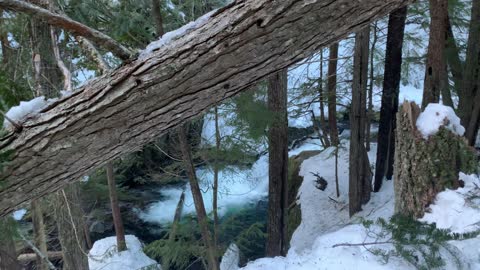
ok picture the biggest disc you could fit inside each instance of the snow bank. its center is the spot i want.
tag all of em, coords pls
(437, 115)
(322, 211)
(104, 255)
(325, 223)
(323, 255)
(231, 258)
(182, 31)
(19, 113)
(457, 210)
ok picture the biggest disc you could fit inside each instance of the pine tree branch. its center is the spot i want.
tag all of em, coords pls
(61, 21)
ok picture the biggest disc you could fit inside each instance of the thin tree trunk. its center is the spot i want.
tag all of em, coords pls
(435, 68)
(370, 113)
(39, 233)
(391, 89)
(277, 166)
(197, 199)
(177, 217)
(332, 94)
(117, 217)
(157, 17)
(323, 122)
(70, 221)
(360, 176)
(143, 99)
(215, 180)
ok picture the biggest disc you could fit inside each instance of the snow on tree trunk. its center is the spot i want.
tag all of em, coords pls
(120, 112)
(426, 166)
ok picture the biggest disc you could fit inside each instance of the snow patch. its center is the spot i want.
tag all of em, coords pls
(454, 210)
(19, 113)
(437, 115)
(104, 255)
(231, 258)
(182, 31)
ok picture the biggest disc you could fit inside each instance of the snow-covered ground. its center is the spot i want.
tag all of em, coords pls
(325, 223)
(104, 255)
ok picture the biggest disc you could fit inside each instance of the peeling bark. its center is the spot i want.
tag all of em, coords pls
(119, 112)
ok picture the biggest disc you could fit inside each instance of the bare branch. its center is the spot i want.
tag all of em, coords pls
(66, 23)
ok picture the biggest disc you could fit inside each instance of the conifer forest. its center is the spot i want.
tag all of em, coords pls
(239, 134)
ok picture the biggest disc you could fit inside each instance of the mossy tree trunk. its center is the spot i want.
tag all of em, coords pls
(424, 167)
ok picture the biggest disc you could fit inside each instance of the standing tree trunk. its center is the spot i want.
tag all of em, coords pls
(391, 89)
(176, 218)
(424, 167)
(471, 78)
(321, 95)
(197, 199)
(435, 68)
(332, 106)
(277, 166)
(70, 221)
(215, 179)
(117, 217)
(360, 176)
(332, 94)
(157, 16)
(370, 90)
(39, 233)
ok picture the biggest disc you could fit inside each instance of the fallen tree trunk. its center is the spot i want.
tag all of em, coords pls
(121, 111)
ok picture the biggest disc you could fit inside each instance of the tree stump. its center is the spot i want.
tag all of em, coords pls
(424, 167)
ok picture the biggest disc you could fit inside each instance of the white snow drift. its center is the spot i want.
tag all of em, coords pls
(104, 255)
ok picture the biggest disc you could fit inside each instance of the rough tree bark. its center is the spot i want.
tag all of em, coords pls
(117, 217)
(197, 199)
(435, 68)
(424, 167)
(360, 175)
(119, 112)
(391, 89)
(277, 244)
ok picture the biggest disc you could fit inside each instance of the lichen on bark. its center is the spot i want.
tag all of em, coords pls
(425, 167)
